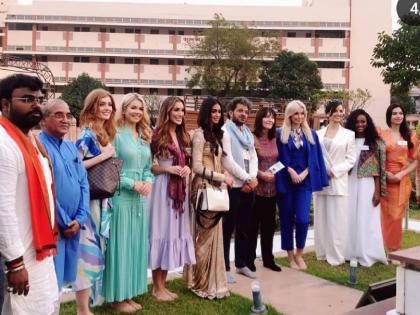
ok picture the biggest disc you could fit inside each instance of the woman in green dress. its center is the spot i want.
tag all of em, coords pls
(127, 251)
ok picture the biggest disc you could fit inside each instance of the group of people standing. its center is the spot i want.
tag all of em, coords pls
(103, 248)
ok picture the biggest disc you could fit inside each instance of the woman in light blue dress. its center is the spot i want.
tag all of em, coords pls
(127, 251)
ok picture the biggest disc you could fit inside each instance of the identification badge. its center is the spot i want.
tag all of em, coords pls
(276, 167)
(365, 147)
(402, 142)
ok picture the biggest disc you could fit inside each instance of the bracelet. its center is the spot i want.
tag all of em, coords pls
(6, 271)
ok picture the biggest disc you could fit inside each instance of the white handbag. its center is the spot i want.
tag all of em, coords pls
(211, 197)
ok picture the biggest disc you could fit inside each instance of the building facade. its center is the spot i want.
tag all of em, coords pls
(144, 47)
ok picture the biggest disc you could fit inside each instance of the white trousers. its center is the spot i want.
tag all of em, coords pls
(331, 228)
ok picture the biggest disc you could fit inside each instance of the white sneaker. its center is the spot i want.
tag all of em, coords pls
(246, 272)
(230, 278)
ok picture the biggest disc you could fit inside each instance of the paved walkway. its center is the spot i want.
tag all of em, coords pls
(297, 293)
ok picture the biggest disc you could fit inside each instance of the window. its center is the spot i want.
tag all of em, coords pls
(308, 35)
(196, 92)
(102, 30)
(85, 29)
(77, 29)
(330, 34)
(111, 89)
(154, 61)
(43, 58)
(137, 31)
(171, 92)
(180, 32)
(112, 30)
(44, 28)
(291, 34)
(197, 62)
(22, 27)
(111, 60)
(171, 62)
(129, 61)
(131, 90)
(331, 64)
(85, 59)
(154, 31)
(76, 59)
(129, 30)
(179, 92)
(180, 62)
(102, 60)
(137, 61)
(171, 32)
(153, 91)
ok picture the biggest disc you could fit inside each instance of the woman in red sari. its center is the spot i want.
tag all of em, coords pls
(401, 159)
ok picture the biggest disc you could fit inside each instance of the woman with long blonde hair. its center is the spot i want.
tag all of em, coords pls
(97, 121)
(303, 173)
(170, 240)
(128, 241)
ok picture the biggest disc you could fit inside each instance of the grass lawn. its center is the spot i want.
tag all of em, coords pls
(414, 210)
(365, 276)
(187, 304)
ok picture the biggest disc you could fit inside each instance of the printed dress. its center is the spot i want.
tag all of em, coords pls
(94, 233)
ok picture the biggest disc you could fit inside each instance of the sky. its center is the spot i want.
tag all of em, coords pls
(231, 2)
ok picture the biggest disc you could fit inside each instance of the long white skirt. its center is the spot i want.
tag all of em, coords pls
(42, 298)
(365, 235)
(331, 228)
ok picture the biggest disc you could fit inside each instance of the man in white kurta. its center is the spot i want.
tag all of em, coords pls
(21, 108)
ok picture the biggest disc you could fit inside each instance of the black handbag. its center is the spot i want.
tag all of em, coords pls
(104, 178)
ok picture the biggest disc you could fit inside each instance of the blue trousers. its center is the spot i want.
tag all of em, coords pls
(294, 209)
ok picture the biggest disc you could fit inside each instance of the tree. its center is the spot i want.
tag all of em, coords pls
(353, 99)
(153, 103)
(290, 76)
(398, 57)
(229, 58)
(75, 92)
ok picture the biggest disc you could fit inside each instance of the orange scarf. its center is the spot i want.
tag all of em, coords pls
(45, 233)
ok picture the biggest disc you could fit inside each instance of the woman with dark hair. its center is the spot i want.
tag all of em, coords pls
(263, 214)
(401, 160)
(331, 204)
(170, 241)
(367, 183)
(303, 173)
(209, 161)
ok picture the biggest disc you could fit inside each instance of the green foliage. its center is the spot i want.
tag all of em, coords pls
(75, 92)
(290, 76)
(186, 304)
(406, 101)
(398, 57)
(355, 99)
(229, 58)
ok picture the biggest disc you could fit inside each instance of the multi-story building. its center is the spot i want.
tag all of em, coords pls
(143, 47)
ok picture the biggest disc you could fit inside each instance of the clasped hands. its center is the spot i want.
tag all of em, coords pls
(179, 170)
(393, 178)
(249, 186)
(297, 178)
(143, 188)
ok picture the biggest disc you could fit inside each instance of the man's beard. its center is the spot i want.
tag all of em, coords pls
(25, 121)
(237, 122)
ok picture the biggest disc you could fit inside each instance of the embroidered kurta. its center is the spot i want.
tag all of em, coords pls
(72, 201)
(398, 156)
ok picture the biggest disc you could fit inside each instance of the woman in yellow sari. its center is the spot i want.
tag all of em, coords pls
(401, 159)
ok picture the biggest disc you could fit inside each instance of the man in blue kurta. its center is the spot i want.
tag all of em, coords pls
(71, 186)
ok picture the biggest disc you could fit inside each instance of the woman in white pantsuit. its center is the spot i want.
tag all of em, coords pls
(331, 204)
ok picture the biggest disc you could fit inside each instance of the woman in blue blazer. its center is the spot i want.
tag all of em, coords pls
(304, 172)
